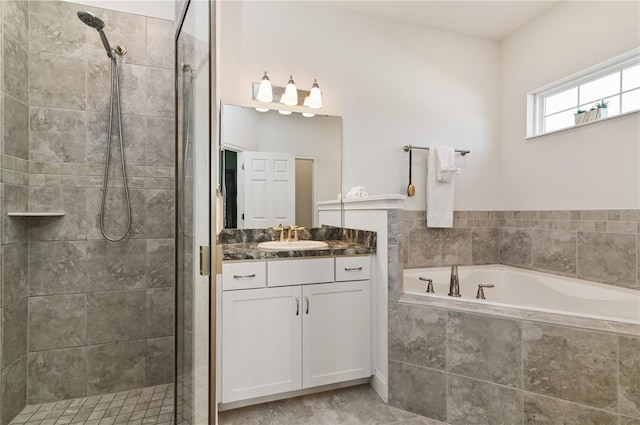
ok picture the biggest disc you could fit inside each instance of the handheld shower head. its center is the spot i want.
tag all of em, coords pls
(93, 21)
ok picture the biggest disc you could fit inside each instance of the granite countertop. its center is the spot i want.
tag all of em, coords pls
(250, 251)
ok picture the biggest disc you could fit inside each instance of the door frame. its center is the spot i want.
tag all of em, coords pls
(203, 220)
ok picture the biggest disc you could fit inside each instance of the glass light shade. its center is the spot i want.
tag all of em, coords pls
(290, 96)
(262, 109)
(281, 112)
(265, 93)
(315, 96)
(307, 114)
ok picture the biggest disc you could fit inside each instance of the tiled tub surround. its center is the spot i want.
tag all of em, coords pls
(242, 244)
(455, 363)
(83, 316)
(467, 367)
(597, 245)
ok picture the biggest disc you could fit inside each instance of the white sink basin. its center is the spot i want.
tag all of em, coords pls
(292, 246)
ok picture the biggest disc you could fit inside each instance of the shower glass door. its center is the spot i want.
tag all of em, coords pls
(195, 301)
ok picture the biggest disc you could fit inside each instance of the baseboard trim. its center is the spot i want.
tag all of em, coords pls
(380, 386)
(290, 394)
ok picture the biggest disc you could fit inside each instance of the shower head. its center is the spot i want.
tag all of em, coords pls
(93, 21)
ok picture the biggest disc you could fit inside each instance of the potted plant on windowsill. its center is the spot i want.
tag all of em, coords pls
(581, 116)
(601, 108)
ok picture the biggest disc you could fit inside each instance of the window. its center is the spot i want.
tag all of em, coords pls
(616, 81)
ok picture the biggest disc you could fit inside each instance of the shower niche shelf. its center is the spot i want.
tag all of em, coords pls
(37, 214)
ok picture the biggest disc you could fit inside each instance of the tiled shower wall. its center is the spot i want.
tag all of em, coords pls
(100, 314)
(596, 245)
(14, 113)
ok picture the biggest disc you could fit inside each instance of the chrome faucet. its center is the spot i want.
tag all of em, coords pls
(429, 284)
(454, 282)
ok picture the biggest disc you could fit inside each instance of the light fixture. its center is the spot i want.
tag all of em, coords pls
(315, 96)
(307, 114)
(290, 96)
(265, 93)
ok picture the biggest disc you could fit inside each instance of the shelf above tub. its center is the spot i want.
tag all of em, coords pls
(37, 214)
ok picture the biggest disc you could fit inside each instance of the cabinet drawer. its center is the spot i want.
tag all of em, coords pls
(244, 275)
(353, 268)
(300, 272)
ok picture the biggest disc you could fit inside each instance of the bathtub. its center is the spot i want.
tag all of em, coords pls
(530, 290)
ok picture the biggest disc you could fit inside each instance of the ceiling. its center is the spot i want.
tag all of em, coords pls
(492, 20)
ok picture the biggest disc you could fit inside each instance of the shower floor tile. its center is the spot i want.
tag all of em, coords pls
(144, 406)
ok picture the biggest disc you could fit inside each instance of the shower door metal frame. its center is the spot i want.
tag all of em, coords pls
(213, 258)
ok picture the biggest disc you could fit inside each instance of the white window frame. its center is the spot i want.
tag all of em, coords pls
(535, 99)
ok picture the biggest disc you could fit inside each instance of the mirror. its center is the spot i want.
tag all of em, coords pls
(275, 168)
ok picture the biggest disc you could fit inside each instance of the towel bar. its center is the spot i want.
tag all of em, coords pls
(407, 148)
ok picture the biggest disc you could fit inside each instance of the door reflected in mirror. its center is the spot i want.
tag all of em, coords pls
(276, 168)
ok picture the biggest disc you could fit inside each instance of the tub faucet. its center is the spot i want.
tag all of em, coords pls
(454, 282)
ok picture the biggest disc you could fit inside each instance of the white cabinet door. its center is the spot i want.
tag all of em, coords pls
(269, 189)
(336, 332)
(261, 342)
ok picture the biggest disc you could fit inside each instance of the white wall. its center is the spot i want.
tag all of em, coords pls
(392, 83)
(592, 167)
(163, 9)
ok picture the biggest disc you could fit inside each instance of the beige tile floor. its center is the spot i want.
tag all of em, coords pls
(146, 406)
(350, 406)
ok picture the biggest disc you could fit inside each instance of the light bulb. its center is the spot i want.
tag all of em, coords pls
(282, 112)
(265, 93)
(290, 96)
(307, 114)
(315, 96)
(262, 109)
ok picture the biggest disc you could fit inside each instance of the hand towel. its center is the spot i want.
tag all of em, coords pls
(446, 163)
(439, 195)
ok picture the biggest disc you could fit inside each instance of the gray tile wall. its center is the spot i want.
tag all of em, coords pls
(76, 310)
(100, 313)
(14, 143)
(467, 368)
(597, 245)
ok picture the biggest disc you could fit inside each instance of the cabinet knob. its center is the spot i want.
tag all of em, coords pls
(297, 306)
(246, 276)
(307, 298)
(353, 269)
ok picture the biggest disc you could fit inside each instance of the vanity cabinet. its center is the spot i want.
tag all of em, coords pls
(279, 338)
(336, 333)
(261, 340)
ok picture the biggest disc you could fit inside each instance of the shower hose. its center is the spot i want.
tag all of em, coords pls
(115, 83)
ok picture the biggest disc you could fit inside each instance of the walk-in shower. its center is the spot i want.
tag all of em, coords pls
(113, 52)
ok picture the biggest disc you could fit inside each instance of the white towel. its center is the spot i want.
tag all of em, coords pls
(446, 163)
(439, 195)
